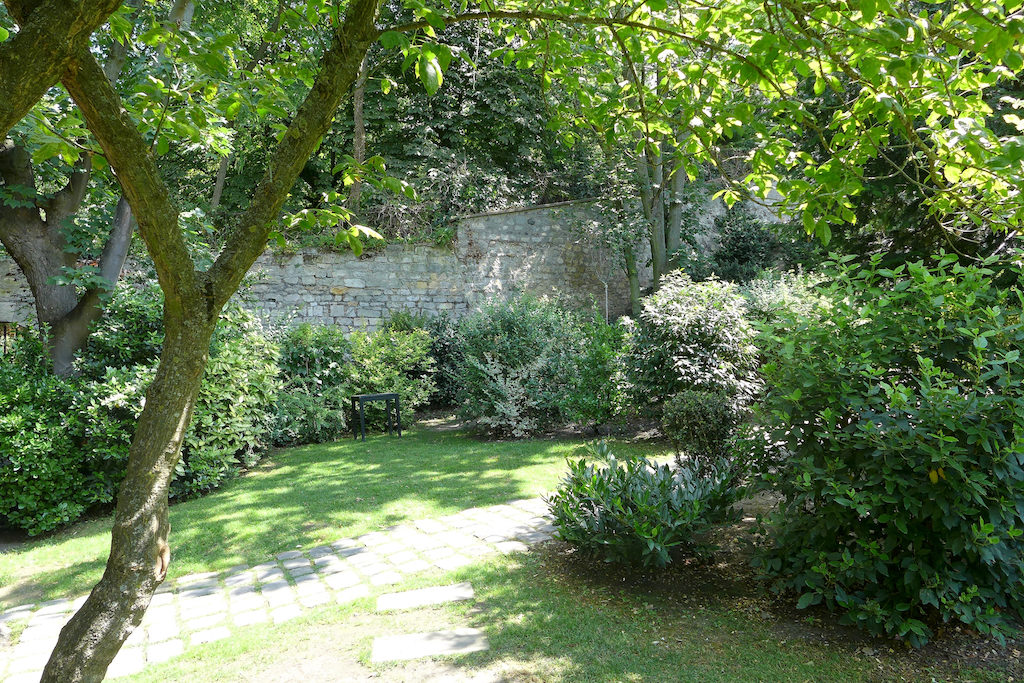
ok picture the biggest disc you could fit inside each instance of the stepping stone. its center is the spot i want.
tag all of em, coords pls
(425, 596)
(161, 652)
(210, 635)
(416, 645)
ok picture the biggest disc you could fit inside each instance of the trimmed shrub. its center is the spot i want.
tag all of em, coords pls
(637, 512)
(528, 364)
(893, 430)
(700, 424)
(689, 336)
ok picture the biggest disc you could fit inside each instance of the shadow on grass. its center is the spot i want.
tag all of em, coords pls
(317, 494)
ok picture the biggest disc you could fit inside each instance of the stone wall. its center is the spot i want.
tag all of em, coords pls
(495, 255)
(15, 298)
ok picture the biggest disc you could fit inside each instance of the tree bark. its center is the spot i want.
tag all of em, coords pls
(34, 58)
(192, 301)
(358, 131)
(633, 277)
(139, 552)
(674, 224)
(34, 238)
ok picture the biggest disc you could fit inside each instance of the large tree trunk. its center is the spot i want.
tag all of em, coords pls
(139, 552)
(34, 58)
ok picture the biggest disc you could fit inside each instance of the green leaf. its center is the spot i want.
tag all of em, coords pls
(430, 72)
(4, 34)
(357, 246)
(806, 600)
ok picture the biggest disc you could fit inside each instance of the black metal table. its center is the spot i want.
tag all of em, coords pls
(366, 398)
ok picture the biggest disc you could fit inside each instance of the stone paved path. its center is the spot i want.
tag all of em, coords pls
(206, 607)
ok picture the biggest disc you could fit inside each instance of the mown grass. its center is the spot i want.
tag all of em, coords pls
(307, 496)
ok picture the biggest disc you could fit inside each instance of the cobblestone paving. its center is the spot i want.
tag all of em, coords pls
(202, 608)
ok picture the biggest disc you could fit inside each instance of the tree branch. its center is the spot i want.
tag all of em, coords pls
(137, 173)
(34, 58)
(339, 68)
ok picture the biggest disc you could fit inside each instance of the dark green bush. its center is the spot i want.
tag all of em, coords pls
(313, 405)
(528, 364)
(689, 336)
(66, 440)
(893, 431)
(447, 349)
(387, 361)
(322, 368)
(234, 413)
(700, 424)
(42, 472)
(637, 512)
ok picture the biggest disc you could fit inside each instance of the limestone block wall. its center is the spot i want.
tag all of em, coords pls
(502, 254)
(533, 250)
(15, 298)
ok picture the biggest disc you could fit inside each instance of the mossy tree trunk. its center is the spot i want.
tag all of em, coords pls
(193, 299)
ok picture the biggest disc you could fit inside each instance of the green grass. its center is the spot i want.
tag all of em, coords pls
(308, 496)
(542, 626)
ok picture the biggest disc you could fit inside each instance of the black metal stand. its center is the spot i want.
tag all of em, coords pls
(365, 398)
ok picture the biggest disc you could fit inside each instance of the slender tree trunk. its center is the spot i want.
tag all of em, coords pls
(358, 131)
(633, 277)
(218, 184)
(674, 224)
(651, 200)
(139, 553)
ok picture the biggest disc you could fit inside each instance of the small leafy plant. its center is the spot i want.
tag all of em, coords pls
(637, 512)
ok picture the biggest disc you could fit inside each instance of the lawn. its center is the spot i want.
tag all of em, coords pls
(308, 496)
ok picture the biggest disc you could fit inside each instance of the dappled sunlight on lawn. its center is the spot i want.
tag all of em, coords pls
(307, 496)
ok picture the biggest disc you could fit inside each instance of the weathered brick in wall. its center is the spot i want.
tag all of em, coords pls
(501, 254)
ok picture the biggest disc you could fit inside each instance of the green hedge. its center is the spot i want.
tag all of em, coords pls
(64, 441)
(894, 432)
(322, 368)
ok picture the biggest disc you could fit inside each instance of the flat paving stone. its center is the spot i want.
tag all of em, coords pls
(289, 555)
(422, 597)
(161, 652)
(431, 644)
(283, 614)
(510, 547)
(163, 631)
(210, 635)
(385, 578)
(353, 593)
(256, 616)
(127, 662)
(453, 562)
